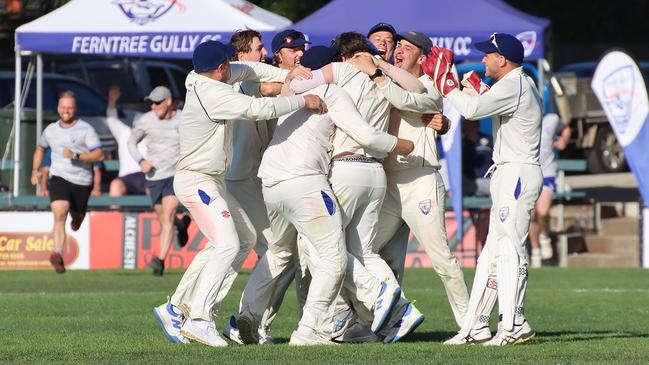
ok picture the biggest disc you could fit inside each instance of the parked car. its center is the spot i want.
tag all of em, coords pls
(579, 106)
(135, 77)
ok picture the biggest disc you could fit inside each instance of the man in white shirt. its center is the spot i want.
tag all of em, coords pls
(516, 183)
(205, 155)
(75, 146)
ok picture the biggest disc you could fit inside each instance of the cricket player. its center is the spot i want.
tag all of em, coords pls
(516, 183)
(205, 154)
(300, 200)
(249, 142)
(383, 37)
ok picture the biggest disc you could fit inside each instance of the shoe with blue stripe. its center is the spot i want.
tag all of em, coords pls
(170, 321)
(410, 320)
(388, 296)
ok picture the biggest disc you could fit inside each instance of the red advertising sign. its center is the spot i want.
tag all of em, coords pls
(32, 250)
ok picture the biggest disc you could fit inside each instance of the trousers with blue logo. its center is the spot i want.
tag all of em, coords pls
(415, 196)
(515, 188)
(304, 205)
(230, 237)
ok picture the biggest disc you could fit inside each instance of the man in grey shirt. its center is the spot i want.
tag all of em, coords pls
(160, 126)
(75, 146)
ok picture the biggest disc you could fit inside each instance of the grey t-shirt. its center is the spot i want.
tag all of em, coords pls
(550, 127)
(80, 138)
(162, 143)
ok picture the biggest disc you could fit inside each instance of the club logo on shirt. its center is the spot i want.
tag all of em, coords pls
(225, 214)
(492, 283)
(424, 206)
(503, 213)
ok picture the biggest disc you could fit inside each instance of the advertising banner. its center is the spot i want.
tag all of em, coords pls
(26, 242)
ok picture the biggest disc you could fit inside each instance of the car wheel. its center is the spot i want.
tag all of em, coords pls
(607, 154)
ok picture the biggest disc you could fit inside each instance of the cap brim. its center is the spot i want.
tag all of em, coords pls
(486, 47)
(229, 50)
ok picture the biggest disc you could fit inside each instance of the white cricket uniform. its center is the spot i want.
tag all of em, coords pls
(205, 154)
(294, 173)
(515, 186)
(249, 143)
(415, 195)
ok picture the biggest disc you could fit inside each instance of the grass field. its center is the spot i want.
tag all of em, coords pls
(582, 316)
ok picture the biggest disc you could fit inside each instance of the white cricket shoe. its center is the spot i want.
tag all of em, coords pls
(475, 336)
(410, 320)
(521, 333)
(388, 296)
(311, 339)
(231, 332)
(171, 320)
(536, 259)
(202, 331)
(248, 328)
(357, 333)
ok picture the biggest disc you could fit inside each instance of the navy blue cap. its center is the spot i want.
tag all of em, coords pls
(209, 55)
(505, 44)
(318, 56)
(289, 38)
(382, 26)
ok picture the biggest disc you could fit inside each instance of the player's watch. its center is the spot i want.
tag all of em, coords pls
(75, 156)
(377, 73)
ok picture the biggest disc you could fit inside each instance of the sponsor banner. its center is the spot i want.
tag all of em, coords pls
(26, 242)
(130, 240)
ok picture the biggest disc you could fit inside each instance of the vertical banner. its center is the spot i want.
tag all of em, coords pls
(452, 144)
(621, 90)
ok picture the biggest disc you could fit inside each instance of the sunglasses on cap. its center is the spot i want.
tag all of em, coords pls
(493, 41)
(158, 102)
(293, 36)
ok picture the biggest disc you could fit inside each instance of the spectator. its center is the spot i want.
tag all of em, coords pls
(476, 159)
(75, 147)
(160, 127)
(554, 137)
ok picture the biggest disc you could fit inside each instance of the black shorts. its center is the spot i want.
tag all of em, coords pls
(159, 189)
(76, 195)
(135, 183)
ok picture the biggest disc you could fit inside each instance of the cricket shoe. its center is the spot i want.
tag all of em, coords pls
(310, 339)
(388, 296)
(357, 333)
(170, 321)
(521, 333)
(342, 322)
(231, 332)
(202, 331)
(475, 336)
(410, 320)
(248, 328)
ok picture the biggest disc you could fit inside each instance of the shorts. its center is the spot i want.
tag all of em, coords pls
(158, 189)
(549, 183)
(76, 195)
(135, 183)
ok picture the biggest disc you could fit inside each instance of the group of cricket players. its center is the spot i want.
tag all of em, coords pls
(319, 162)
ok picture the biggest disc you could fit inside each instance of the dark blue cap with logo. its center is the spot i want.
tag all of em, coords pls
(209, 55)
(318, 56)
(289, 38)
(382, 26)
(505, 44)
(418, 39)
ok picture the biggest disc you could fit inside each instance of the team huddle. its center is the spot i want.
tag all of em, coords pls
(318, 163)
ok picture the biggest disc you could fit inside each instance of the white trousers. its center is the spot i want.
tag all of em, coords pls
(416, 196)
(230, 236)
(514, 190)
(360, 189)
(305, 205)
(248, 193)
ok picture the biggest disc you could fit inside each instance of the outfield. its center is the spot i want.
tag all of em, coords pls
(583, 316)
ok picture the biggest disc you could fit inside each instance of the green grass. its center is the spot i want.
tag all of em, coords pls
(582, 316)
